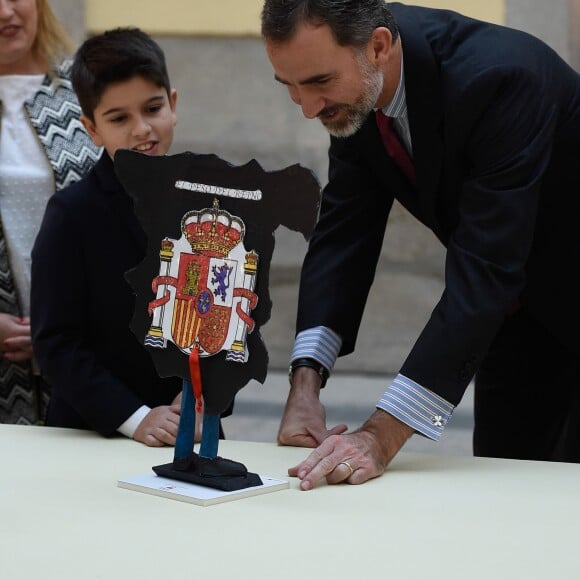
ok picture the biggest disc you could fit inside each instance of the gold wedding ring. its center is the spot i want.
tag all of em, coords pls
(349, 467)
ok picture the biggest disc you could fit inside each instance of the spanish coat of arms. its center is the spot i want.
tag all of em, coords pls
(205, 287)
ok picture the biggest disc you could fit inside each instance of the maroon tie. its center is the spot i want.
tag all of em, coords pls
(394, 147)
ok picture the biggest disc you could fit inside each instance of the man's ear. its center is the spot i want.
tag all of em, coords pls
(379, 45)
(91, 130)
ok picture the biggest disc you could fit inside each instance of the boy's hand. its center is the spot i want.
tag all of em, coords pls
(159, 427)
(198, 417)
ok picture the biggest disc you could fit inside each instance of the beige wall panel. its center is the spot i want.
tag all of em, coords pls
(177, 17)
(488, 10)
(228, 17)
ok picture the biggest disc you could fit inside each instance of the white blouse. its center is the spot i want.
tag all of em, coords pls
(26, 179)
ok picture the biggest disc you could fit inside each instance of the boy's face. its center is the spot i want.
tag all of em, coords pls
(134, 114)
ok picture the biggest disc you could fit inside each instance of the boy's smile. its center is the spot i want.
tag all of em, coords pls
(134, 114)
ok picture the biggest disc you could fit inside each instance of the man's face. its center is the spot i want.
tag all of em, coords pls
(333, 83)
(134, 114)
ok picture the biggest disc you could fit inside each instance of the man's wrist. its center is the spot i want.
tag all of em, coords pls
(388, 432)
(320, 369)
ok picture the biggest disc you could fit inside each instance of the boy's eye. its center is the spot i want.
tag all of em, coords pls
(154, 108)
(117, 119)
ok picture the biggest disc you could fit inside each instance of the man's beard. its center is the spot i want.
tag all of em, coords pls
(353, 116)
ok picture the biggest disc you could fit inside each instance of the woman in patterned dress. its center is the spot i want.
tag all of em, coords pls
(43, 147)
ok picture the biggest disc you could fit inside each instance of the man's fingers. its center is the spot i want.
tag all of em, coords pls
(320, 435)
(317, 435)
(297, 440)
(340, 458)
(344, 471)
(316, 466)
(337, 430)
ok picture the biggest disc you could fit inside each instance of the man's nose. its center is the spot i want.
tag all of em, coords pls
(310, 103)
(311, 109)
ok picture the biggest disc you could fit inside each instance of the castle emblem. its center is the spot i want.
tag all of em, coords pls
(205, 287)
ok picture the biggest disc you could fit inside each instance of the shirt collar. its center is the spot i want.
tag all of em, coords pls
(398, 105)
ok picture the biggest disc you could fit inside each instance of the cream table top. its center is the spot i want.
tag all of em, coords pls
(63, 517)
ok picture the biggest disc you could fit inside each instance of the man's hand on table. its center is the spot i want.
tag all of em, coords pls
(303, 423)
(355, 457)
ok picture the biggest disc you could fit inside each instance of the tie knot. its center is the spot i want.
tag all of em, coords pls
(384, 122)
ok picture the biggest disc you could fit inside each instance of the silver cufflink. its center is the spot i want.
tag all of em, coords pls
(437, 420)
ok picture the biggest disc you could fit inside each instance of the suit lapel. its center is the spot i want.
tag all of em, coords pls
(385, 169)
(424, 108)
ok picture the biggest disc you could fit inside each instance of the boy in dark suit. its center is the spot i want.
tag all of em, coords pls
(101, 378)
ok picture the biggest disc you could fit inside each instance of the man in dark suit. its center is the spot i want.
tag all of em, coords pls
(475, 129)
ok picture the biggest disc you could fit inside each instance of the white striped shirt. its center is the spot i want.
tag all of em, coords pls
(397, 109)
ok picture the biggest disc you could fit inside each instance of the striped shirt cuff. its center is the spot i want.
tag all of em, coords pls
(416, 406)
(319, 343)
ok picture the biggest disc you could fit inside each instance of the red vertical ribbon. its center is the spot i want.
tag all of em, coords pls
(195, 372)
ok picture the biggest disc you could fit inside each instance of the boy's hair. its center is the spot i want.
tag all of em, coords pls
(115, 56)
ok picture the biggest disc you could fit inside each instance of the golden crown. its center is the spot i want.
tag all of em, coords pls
(212, 231)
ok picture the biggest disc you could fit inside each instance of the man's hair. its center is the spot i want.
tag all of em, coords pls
(115, 56)
(351, 21)
(52, 42)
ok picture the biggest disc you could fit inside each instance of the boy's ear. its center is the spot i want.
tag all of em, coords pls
(173, 103)
(91, 130)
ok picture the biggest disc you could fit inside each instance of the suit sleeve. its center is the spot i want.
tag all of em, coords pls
(340, 264)
(505, 157)
(60, 322)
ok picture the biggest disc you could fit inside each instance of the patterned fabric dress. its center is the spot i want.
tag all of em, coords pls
(54, 115)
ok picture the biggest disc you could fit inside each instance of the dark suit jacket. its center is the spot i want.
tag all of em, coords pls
(81, 306)
(494, 116)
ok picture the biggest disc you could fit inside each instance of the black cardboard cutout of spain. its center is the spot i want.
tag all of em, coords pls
(203, 285)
